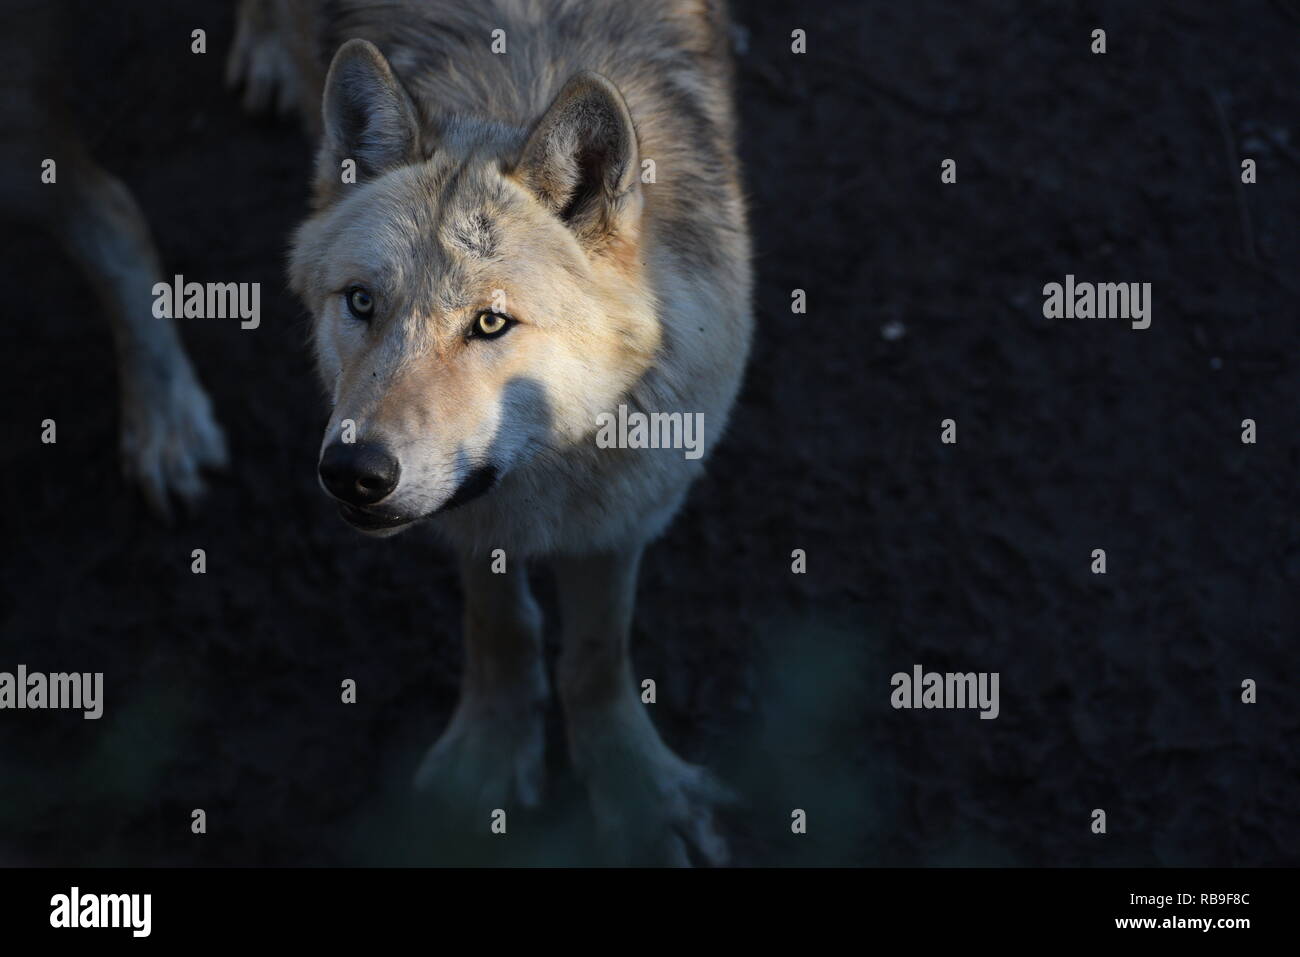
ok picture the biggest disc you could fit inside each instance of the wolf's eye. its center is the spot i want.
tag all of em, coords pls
(489, 325)
(360, 303)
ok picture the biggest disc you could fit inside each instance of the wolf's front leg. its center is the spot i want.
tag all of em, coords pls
(648, 802)
(169, 434)
(491, 754)
(274, 58)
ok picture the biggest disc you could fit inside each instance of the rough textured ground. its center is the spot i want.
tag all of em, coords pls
(1118, 692)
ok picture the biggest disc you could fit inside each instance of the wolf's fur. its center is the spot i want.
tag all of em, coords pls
(521, 173)
(168, 433)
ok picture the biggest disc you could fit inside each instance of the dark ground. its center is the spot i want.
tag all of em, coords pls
(1119, 692)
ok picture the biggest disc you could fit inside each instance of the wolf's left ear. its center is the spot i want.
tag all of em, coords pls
(368, 115)
(581, 159)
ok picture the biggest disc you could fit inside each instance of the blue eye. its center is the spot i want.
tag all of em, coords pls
(360, 303)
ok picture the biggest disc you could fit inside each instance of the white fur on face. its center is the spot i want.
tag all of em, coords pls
(411, 380)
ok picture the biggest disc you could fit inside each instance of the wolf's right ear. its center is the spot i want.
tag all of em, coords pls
(368, 115)
(581, 158)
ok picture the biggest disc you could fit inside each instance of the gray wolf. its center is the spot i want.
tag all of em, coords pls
(169, 435)
(545, 221)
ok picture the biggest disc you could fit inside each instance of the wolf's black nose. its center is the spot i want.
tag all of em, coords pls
(358, 473)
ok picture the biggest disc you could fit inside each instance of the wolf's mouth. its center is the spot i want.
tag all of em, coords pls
(370, 521)
(477, 484)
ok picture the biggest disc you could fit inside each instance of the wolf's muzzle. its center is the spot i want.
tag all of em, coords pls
(359, 474)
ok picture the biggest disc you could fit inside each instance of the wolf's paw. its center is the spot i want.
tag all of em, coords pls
(260, 62)
(169, 435)
(490, 756)
(651, 807)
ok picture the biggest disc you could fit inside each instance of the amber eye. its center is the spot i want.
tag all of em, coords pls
(489, 325)
(360, 303)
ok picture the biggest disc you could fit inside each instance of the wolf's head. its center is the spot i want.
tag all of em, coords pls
(477, 290)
